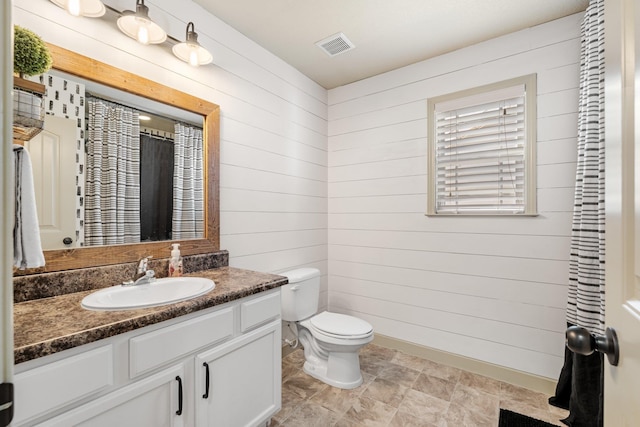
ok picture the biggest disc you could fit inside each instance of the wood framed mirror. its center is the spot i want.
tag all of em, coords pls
(87, 68)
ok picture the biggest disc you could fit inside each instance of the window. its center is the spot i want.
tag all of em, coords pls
(482, 150)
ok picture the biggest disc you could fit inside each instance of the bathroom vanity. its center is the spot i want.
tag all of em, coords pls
(212, 360)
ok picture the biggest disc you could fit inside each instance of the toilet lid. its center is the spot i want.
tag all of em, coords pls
(340, 325)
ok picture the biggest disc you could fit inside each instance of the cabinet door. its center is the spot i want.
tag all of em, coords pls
(151, 402)
(244, 380)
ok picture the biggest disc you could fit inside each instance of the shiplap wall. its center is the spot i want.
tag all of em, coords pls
(273, 172)
(492, 289)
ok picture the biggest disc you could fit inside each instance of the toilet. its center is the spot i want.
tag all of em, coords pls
(331, 341)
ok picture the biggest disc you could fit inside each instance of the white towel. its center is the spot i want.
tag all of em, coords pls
(27, 249)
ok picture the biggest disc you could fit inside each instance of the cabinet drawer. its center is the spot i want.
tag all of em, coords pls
(57, 384)
(150, 402)
(259, 310)
(153, 349)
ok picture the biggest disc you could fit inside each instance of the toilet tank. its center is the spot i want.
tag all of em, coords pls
(300, 296)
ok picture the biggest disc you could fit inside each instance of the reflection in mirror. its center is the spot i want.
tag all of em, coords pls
(113, 199)
(177, 118)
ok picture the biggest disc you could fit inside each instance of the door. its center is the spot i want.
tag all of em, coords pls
(622, 134)
(53, 155)
(239, 383)
(6, 215)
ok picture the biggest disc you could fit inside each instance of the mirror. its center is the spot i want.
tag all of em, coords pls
(75, 168)
(84, 69)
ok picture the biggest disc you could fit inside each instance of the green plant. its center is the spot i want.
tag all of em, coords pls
(30, 54)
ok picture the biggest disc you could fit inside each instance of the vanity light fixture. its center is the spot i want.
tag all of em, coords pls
(88, 8)
(139, 26)
(191, 51)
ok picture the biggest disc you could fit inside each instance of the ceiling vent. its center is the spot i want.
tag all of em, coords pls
(335, 44)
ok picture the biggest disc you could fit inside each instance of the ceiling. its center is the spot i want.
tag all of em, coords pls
(387, 34)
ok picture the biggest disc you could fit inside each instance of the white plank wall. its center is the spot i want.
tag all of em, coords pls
(492, 289)
(273, 168)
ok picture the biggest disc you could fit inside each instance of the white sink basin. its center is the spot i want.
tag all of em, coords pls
(160, 292)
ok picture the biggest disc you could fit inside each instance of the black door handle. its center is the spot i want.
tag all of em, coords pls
(206, 381)
(179, 411)
(581, 341)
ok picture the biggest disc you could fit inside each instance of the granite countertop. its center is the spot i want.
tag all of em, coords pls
(49, 325)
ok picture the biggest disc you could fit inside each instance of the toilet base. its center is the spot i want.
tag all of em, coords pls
(337, 371)
(336, 365)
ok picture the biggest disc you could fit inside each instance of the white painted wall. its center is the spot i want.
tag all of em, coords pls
(273, 195)
(493, 289)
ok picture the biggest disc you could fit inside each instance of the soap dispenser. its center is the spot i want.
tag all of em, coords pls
(175, 263)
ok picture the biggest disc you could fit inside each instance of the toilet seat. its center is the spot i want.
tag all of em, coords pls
(340, 326)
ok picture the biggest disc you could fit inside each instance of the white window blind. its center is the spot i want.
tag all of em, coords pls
(480, 153)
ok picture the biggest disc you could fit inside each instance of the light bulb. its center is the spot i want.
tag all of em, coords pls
(193, 55)
(74, 7)
(89, 8)
(143, 34)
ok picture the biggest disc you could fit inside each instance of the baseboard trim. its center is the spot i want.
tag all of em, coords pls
(508, 375)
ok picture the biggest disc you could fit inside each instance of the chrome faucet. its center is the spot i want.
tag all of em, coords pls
(142, 275)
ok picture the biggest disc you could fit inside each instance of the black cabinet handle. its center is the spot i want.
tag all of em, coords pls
(179, 411)
(206, 381)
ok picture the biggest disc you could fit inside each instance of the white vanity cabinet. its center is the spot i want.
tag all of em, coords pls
(158, 375)
(239, 383)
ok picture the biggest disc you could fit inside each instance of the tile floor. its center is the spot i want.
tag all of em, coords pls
(403, 390)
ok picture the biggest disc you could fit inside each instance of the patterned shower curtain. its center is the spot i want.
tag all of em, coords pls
(112, 193)
(586, 276)
(580, 385)
(188, 183)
